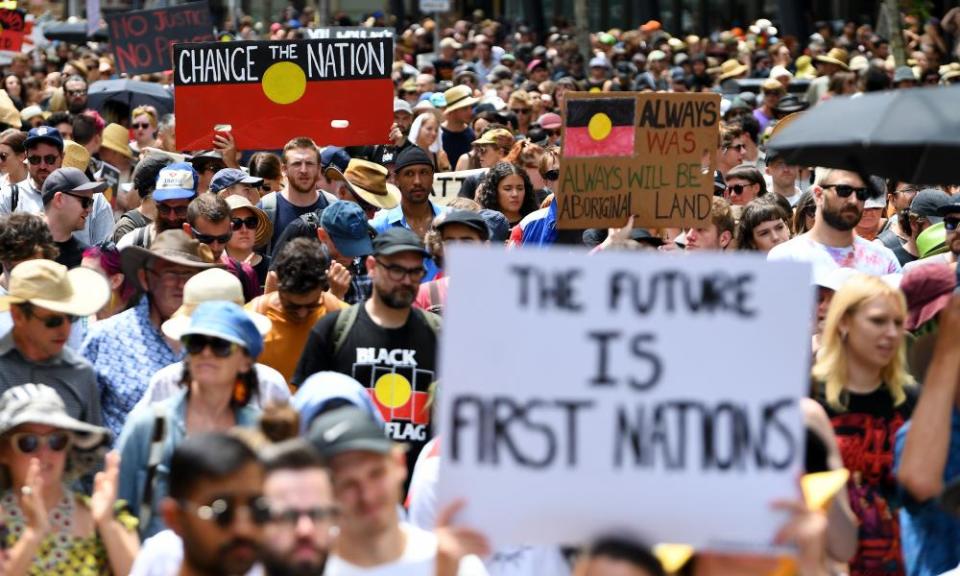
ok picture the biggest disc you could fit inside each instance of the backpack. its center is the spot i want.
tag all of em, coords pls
(14, 197)
(347, 317)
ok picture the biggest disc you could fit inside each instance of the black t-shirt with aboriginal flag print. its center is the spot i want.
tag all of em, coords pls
(866, 432)
(395, 365)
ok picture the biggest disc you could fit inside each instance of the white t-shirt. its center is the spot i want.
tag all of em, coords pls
(166, 382)
(417, 559)
(162, 554)
(864, 256)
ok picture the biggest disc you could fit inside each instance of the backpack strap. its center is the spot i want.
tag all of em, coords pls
(434, 292)
(153, 462)
(14, 197)
(138, 219)
(346, 318)
(140, 239)
(269, 205)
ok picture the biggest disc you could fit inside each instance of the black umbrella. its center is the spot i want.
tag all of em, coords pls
(910, 135)
(131, 93)
(73, 32)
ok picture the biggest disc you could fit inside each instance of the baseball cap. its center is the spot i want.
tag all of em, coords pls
(229, 176)
(177, 181)
(465, 217)
(400, 105)
(550, 121)
(69, 180)
(43, 134)
(336, 156)
(347, 226)
(347, 429)
(930, 203)
(396, 240)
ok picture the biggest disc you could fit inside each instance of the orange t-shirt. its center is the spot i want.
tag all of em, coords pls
(284, 344)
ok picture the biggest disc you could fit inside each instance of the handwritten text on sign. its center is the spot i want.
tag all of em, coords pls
(141, 40)
(649, 154)
(624, 392)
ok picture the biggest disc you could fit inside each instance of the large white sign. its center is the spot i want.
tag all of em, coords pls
(446, 185)
(644, 395)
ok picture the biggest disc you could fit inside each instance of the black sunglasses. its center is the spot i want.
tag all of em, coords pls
(56, 320)
(48, 159)
(28, 443)
(736, 188)
(180, 211)
(223, 511)
(210, 238)
(85, 201)
(195, 344)
(144, 125)
(845, 190)
(950, 223)
(551, 175)
(250, 222)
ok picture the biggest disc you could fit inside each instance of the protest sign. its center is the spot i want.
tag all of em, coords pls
(446, 185)
(111, 175)
(14, 26)
(641, 395)
(339, 32)
(647, 154)
(141, 40)
(337, 92)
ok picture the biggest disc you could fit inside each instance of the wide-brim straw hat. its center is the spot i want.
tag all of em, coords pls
(206, 286)
(49, 285)
(730, 69)
(172, 246)
(264, 230)
(368, 180)
(836, 56)
(117, 138)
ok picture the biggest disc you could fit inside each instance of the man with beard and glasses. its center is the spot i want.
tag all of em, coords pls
(215, 509)
(176, 186)
(303, 513)
(301, 165)
(832, 242)
(384, 343)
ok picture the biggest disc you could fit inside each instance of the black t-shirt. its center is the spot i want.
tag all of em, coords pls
(395, 365)
(444, 69)
(71, 252)
(455, 144)
(287, 213)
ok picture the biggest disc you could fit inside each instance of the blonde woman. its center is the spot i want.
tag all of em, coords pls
(143, 124)
(867, 392)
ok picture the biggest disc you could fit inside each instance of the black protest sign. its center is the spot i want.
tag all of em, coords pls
(142, 40)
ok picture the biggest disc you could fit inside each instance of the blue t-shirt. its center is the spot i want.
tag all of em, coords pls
(930, 536)
(455, 144)
(287, 213)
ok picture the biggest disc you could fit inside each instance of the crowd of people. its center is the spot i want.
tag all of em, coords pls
(201, 352)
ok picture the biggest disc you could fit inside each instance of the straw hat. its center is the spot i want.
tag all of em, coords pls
(40, 404)
(47, 284)
(116, 138)
(458, 97)
(368, 180)
(172, 246)
(496, 137)
(8, 112)
(264, 226)
(75, 156)
(836, 56)
(207, 286)
(730, 69)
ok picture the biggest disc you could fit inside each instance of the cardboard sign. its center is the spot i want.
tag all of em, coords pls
(446, 185)
(340, 32)
(141, 40)
(111, 175)
(14, 26)
(647, 154)
(337, 92)
(652, 396)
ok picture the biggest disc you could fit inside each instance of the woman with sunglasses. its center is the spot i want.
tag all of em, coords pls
(252, 230)
(804, 213)
(222, 344)
(143, 123)
(50, 528)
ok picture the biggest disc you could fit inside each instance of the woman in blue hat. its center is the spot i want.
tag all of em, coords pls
(222, 344)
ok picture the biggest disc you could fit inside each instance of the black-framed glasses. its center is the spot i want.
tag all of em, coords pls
(76, 92)
(29, 442)
(551, 175)
(223, 510)
(250, 222)
(164, 210)
(210, 238)
(736, 188)
(196, 343)
(519, 111)
(141, 126)
(845, 190)
(48, 159)
(317, 515)
(950, 223)
(53, 321)
(398, 273)
(85, 201)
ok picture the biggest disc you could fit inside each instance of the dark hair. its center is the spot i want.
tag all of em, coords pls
(755, 213)
(638, 555)
(805, 202)
(489, 197)
(14, 139)
(146, 172)
(84, 129)
(291, 456)
(750, 127)
(749, 173)
(247, 385)
(209, 205)
(280, 422)
(206, 456)
(301, 266)
(59, 118)
(265, 165)
(22, 235)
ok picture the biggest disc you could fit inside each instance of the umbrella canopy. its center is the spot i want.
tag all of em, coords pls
(910, 135)
(73, 32)
(131, 93)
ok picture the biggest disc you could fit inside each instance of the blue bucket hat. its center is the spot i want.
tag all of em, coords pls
(176, 181)
(226, 320)
(347, 226)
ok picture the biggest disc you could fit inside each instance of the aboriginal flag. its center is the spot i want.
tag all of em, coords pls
(599, 127)
(401, 393)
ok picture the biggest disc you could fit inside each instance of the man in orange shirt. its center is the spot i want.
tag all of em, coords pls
(301, 299)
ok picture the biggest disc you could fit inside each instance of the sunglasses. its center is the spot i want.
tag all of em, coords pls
(551, 175)
(179, 211)
(317, 515)
(56, 320)
(196, 343)
(521, 110)
(28, 442)
(844, 191)
(210, 238)
(736, 189)
(250, 222)
(76, 92)
(85, 201)
(223, 511)
(950, 223)
(49, 159)
(141, 126)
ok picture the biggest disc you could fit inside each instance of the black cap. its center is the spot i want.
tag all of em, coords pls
(412, 156)
(465, 217)
(397, 239)
(347, 429)
(929, 202)
(69, 180)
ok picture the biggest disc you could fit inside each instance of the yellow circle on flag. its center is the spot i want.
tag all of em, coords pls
(599, 126)
(284, 82)
(392, 390)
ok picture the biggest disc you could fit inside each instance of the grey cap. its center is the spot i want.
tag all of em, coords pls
(40, 404)
(904, 74)
(400, 105)
(395, 240)
(929, 203)
(69, 180)
(347, 429)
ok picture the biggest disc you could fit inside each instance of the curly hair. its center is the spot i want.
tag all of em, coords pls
(489, 196)
(23, 236)
(301, 266)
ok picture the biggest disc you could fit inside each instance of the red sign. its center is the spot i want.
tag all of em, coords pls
(14, 27)
(141, 40)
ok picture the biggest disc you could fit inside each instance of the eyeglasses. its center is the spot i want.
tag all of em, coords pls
(223, 511)
(737, 188)
(907, 190)
(317, 515)
(738, 147)
(56, 320)
(950, 223)
(551, 175)
(48, 159)
(210, 238)
(196, 343)
(521, 110)
(844, 191)
(76, 92)
(398, 273)
(250, 222)
(164, 210)
(28, 442)
(141, 126)
(85, 201)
